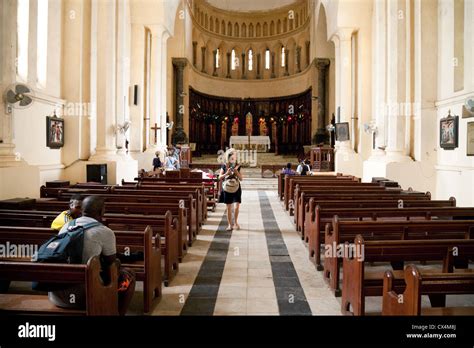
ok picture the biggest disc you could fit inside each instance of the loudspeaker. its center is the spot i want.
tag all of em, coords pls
(97, 173)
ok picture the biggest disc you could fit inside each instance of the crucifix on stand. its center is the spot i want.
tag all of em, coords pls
(155, 129)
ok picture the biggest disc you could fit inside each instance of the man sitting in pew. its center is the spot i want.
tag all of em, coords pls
(66, 216)
(99, 240)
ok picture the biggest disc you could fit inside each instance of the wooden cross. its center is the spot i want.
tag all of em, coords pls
(155, 129)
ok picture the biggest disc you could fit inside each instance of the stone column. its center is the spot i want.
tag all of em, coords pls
(106, 77)
(214, 68)
(273, 65)
(8, 75)
(322, 65)
(179, 136)
(203, 59)
(298, 59)
(195, 53)
(287, 54)
(244, 75)
(258, 66)
(228, 65)
(308, 53)
(345, 77)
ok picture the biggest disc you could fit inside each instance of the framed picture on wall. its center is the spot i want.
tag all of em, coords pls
(448, 132)
(54, 132)
(342, 131)
(470, 139)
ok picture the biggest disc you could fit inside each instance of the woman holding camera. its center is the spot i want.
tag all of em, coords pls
(231, 192)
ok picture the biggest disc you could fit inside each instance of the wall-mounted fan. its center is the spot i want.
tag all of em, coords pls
(468, 107)
(18, 96)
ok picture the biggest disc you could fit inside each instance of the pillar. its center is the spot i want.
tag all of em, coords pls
(228, 54)
(322, 65)
(194, 52)
(244, 75)
(287, 54)
(298, 59)
(179, 136)
(273, 65)
(258, 66)
(203, 59)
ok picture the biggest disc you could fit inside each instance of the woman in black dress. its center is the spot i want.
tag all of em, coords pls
(231, 168)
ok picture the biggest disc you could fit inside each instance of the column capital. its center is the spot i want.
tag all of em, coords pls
(344, 34)
(180, 63)
(322, 63)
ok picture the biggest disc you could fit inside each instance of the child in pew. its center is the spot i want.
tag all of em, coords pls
(288, 170)
(98, 240)
(66, 216)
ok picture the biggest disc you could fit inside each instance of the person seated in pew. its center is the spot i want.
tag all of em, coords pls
(98, 240)
(171, 161)
(288, 170)
(303, 168)
(157, 161)
(66, 216)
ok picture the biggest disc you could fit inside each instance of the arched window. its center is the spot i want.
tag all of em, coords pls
(250, 60)
(217, 58)
(23, 19)
(42, 43)
(267, 59)
(232, 63)
(283, 56)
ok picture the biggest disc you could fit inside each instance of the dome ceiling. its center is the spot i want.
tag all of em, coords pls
(250, 5)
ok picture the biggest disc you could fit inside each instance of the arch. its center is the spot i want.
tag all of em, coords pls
(206, 22)
(251, 32)
(258, 30)
(223, 27)
(272, 28)
(279, 26)
(229, 29)
(236, 30)
(244, 30)
(265, 29)
(297, 20)
(285, 25)
(217, 26)
(211, 23)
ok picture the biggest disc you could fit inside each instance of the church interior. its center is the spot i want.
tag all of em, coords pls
(249, 158)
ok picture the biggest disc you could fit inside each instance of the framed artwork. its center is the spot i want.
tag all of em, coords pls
(470, 139)
(342, 131)
(54, 132)
(448, 132)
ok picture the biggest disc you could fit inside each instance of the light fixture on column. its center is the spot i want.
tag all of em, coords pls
(371, 128)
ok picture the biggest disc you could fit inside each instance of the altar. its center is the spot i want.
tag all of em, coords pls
(260, 143)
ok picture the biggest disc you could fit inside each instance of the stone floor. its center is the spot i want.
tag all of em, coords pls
(265, 269)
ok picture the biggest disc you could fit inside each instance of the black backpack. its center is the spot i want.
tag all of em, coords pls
(305, 169)
(65, 247)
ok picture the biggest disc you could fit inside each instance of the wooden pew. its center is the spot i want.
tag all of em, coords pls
(425, 283)
(359, 283)
(320, 216)
(102, 299)
(190, 203)
(303, 195)
(340, 232)
(147, 270)
(292, 180)
(165, 226)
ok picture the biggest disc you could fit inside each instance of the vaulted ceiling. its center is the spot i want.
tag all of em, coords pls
(249, 5)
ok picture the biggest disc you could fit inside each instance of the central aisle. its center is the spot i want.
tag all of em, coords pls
(261, 269)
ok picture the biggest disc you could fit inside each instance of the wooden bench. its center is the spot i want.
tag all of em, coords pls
(319, 217)
(147, 270)
(190, 203)
(102, 299)
(292, 180)
(302, 197)
(164, 226)
(425, 283)
(358, 282)
(340, 232)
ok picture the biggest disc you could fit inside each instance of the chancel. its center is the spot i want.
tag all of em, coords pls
(312, 150)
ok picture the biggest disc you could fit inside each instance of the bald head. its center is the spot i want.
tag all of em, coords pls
(93, 206)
